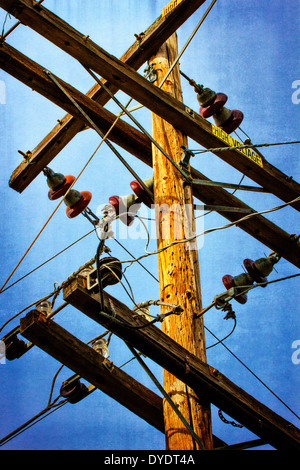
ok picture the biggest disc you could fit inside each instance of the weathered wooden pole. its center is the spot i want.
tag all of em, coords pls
(178, 266)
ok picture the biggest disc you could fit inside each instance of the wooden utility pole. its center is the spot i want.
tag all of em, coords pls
(179, 278)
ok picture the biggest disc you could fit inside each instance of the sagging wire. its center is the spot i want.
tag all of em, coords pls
(176, 309)
(4, 36)
(225, 337)
(102, 335)
(51, 406)
(105, 231)
(221, 341)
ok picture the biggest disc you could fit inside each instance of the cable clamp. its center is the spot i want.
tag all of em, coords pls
(108, 364)
(185, 159)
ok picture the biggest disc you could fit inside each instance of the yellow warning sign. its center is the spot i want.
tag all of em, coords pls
(231, 142)
(168, 8)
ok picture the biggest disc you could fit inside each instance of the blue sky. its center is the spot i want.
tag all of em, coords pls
(248, 50)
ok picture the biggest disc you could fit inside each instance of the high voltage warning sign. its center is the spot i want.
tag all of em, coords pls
(235, 143)
(168, 8)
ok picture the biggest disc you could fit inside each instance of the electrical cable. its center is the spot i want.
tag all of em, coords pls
(235, 190)
(166, 396)
(214, 229)
(220, 341)
(69, 189)
(47, 261)
(176, 309)
(104, 139)
(188, 42)
(35, 419)
(126, 111)
(130, 254)
(240, 147)
(183, 174)
(251, 372)
(181, 52)
(223, 339)
(26, 308)
(4, 36)
(96, 128)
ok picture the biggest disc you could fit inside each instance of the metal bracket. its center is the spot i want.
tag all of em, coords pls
(216, 208)
(88, 214)
(92, 281)
(214, 372)
(185, 159)
(229, 185)
(150, 73)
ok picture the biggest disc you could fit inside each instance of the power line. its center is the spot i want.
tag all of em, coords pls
(240, 147)
(214, 229)
(47, 261)
(65, 195)
(183, 174)
(251, 372)
(181, 52)
(35, 419)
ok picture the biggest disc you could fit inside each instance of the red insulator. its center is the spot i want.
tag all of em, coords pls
(228, 282)
(233, 122)
(80, 206)
(62, 189)
(74, 391)
(140, 192)
(254, 273)
(214, 106)
(121, 210)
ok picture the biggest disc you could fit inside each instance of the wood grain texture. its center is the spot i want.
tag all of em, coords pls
(163, 104)
(205, 380)
(30, 73)
(90, 365)
(178, 266)
(70, 125)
